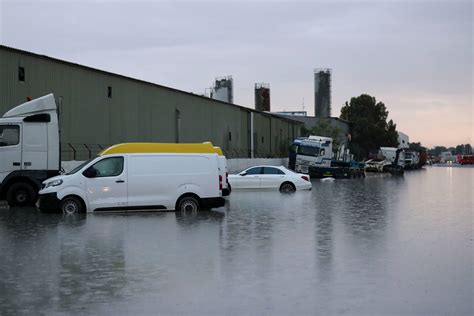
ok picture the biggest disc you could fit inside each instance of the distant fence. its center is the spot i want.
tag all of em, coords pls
(78, 151)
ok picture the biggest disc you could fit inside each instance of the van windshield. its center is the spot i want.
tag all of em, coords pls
(73, 171)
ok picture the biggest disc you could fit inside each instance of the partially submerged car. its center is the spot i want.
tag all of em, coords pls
(270, 177)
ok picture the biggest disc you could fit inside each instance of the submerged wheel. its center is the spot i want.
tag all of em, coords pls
(187, 204)
(21, 194)
(71, 205)
(287, 187)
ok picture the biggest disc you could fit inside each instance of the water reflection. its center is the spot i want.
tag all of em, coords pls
(91, 265)
(361, 246)
(29, 260)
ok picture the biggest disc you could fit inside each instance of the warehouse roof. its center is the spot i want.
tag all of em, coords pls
(16, 50)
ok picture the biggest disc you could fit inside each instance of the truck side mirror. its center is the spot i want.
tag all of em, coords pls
(90, 172)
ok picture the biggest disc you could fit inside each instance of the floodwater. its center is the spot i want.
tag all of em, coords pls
(381, 245)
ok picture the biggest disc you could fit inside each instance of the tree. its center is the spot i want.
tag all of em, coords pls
(463, 149)
(370, 129)
(324, 128)
(416, 147)
(437, 150)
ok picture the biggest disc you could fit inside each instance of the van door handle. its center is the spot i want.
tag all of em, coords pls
(119, 181)
(17, 164)
(27, 163)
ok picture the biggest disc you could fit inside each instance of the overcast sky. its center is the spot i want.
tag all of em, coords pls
(415, 56)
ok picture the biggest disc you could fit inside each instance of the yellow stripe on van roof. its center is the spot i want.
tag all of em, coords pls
(128, 148)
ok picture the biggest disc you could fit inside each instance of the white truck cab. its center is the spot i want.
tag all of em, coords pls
(314, 151)
(29, 150)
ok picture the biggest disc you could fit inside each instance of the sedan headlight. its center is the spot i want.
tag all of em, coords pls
(54, 183)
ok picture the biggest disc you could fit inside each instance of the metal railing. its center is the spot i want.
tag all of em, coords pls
(77, 151)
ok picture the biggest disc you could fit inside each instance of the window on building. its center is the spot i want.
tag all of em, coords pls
(262, 139)
(230, 135)
(109, 92)
(21, 74)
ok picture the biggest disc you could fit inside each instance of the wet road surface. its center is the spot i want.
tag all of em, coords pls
(376, 246)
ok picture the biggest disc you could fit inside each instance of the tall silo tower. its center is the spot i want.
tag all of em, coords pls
(322, 92)
(262, 97)
(223, 89)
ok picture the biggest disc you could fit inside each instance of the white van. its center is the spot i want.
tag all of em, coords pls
(137, 181)
(202, 148)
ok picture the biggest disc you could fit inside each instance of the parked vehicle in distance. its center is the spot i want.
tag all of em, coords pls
(29, 150)
(390, 159)
(412, 159)
(136, 181)
(270, 177)
(314, 155)
(465, 159)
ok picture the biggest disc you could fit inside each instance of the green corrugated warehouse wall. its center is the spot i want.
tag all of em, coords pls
(136, 110)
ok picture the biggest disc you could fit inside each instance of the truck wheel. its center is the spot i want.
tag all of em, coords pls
(287, 187)
(21, 194)
(187, 204)
(71, 205)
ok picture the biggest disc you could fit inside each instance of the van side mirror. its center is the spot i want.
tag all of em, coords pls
(90, 172)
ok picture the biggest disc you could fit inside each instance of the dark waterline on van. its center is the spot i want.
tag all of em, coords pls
(379, 245)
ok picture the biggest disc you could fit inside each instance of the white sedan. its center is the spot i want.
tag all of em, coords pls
(270, 177)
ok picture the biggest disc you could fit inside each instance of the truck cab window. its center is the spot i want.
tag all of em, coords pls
(9, 135)
(109, 167)
(308, 151)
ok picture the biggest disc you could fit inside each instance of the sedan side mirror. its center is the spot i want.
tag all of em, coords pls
(243, 173)
(90, 172)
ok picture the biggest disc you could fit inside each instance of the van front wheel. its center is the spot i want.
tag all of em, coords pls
(71, 205)
(187, 204)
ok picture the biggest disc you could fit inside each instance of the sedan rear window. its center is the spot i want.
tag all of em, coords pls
(270, 170)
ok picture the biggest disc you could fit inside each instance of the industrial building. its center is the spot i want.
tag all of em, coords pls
(322, 92)
(99, 108)
(223, 89)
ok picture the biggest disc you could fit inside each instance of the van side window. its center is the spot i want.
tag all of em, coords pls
(109, 167)
(9, 135)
